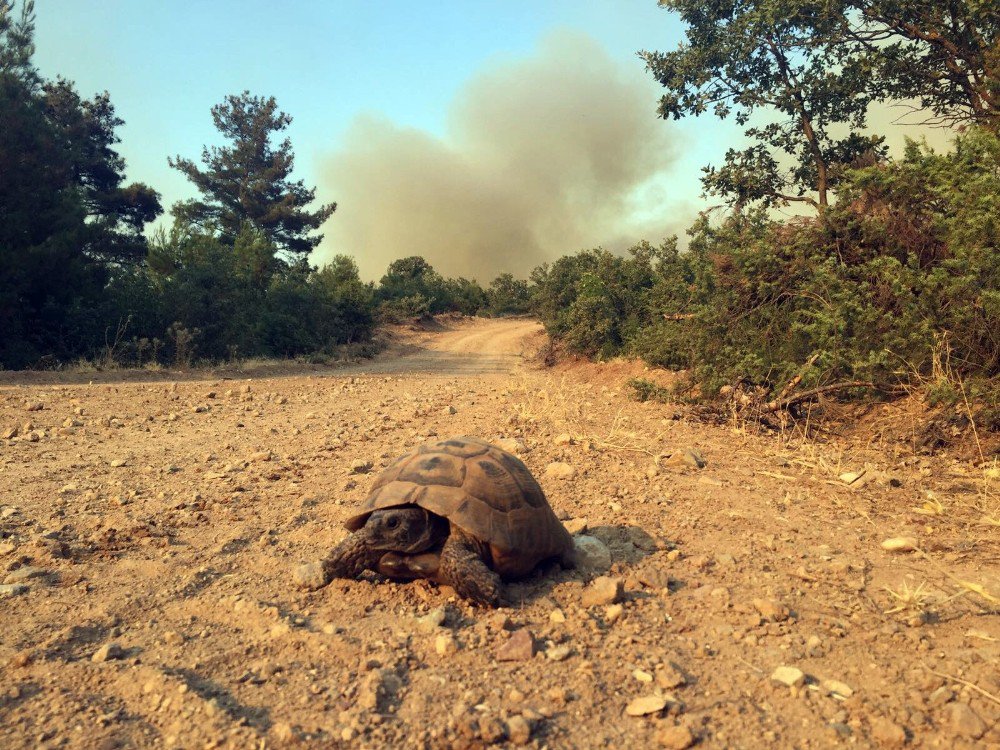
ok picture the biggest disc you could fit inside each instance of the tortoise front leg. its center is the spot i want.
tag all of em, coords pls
(348, 559)
(463, 569)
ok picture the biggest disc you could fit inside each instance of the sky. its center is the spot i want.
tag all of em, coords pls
(487, 136)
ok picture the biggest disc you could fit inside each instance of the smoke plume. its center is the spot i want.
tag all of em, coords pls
(543, 156)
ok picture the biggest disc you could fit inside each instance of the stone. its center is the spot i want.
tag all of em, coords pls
(519, 647)
(260, 456)
(559, 653)
(361, 467)
(790, 676)
(888, 733)
(965, 722)
(900, 544)
(687, 457)
(431, 621)
(642, 676)
(518, 730)
(771, 609)
(603, 590)
(677, 737)
(511, 445)
(378, 690)
(25, 573)
(655, 579)
(12, 589)
(107, 652)
(564, 439)
(10, 433)
(837, 688)
(445, 644)
(450, 410)
(576, 525)
(34, 406)
(670, 676)
(613, 614)
(557, 617)
(309, 576)
(559, 470)
(646, 705)
(590, 554)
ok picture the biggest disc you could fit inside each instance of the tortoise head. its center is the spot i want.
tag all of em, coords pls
(407, 529)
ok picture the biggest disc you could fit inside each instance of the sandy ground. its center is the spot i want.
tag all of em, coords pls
(148, 529)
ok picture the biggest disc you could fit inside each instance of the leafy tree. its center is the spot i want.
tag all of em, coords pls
(781, 70)
(945, 54)
(249, 180)
(508, 296)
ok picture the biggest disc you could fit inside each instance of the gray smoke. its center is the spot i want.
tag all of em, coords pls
(544, 156)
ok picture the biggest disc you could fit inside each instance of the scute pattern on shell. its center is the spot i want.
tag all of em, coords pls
(483, 490)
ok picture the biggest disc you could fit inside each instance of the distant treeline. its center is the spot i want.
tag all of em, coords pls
(80, 279)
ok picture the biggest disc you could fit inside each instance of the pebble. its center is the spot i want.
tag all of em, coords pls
(557, 617)
(24, 573)
(687, 457)
(670, 676)
(771, 609)
(10, 433)
(361, 467)
(378, 689)
(591, 554)
(900, 544)
(603, 590)
(835, 687)
(559, 470)
(576, 525)
(445, 644)
(564, 439)
(677, 737)
(518, 730)
(965, 722)
(511, 445)
(12, 589)
(888, 733)
(519, 647)
(613, 613)
(648, 704)
(431, 621)
(107, 652)
(559, 653)
(642, 676)
(450, 410)
(309, 576)
(790, 676)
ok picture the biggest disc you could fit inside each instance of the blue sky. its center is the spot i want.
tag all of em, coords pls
(328, 63)
(373, 85)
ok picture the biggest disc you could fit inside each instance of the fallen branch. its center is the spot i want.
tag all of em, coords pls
(794, 381)
(678, 316)
(783, 403)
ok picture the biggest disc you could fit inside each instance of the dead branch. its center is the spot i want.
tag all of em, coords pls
(678, 316)
(779, 404)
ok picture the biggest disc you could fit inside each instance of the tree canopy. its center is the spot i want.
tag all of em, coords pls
(249, 181)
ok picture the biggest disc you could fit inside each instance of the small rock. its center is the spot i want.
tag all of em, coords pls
(559, 470)
(591, 554)
(511, 445)
(309, 576)
(850, 477)
(557, 617)
(260, 456)
(431, 621)
(613, 614)
(835, 687)
(648, 704)
(445, 644)
(518, 730)
(117, 463)
(563, 439)
(12, 589)
(378, 689)
(641, 676)
(965, 722)
(888, 733)
(34, 406)
(10, 433)
(576, 525)
(559, 653)
(790, 676)
(519, 647)
(653, 578)
(450, 409)
(603, 590)
(771, 609)
(361, 467)
(677, 737)
(688, 457)
(24, 573)
(900, 544)
(107, 652)
(670, 676)
(499, 621)
(173, 638)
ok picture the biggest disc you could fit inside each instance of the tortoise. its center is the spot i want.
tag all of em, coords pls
(458, 511)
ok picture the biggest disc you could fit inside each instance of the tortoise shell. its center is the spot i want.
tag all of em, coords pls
(481, 489)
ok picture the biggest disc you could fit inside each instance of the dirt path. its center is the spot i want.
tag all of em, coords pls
(164, 519)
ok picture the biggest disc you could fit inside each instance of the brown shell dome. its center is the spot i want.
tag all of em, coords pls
(483, 490)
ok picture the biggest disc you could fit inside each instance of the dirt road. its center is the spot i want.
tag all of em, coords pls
(148, 530)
